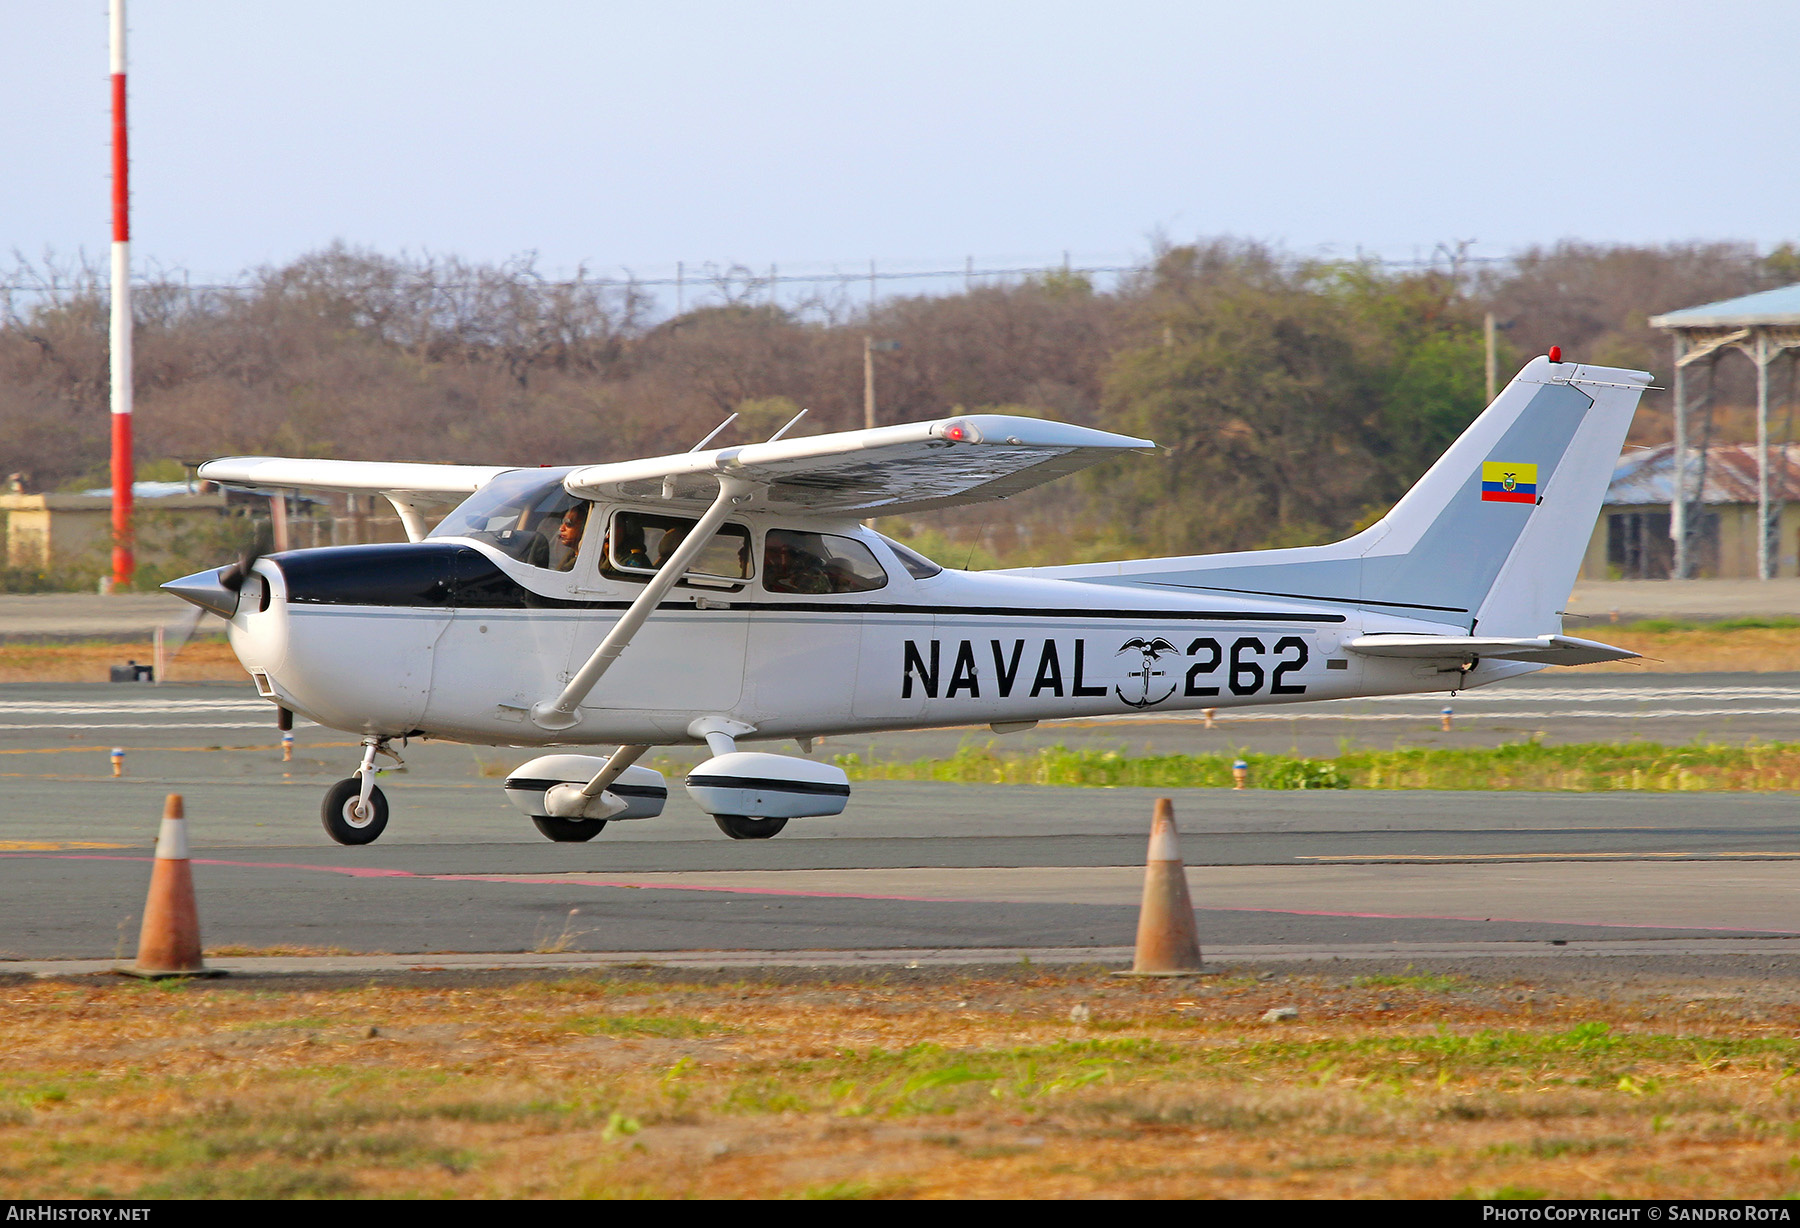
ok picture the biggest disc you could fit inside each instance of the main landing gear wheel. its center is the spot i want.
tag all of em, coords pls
(741, 827)
(343, 824)
(568, 831)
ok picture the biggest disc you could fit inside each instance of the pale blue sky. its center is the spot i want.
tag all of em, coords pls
(635, 135)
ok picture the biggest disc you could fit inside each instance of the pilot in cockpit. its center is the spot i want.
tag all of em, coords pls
(567, 547)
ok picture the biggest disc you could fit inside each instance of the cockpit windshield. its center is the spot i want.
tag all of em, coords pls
(520, 512)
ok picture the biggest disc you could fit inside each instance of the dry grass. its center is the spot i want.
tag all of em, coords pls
(1697, 651)
(203, 660)
(915, 1085)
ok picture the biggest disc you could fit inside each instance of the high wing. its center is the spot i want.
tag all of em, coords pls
(878, 472)
(444, 482)
(409, 487)
(1544, 649)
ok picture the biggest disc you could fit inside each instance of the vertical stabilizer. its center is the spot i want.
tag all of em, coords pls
(1491, 537)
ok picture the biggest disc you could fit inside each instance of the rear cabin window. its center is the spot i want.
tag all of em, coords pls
(799, 562)
(527, 515)
(639, 543)
(917, 565)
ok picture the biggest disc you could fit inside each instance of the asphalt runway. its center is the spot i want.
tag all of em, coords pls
(909, 866)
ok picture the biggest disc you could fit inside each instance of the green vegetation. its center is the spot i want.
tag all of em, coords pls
(1580, 767)
(1433, 982)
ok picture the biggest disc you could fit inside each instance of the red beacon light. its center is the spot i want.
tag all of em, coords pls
(1556, 353)
(959, 432)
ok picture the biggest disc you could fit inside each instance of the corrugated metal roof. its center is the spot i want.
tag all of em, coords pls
(1767, 307)
(1647, 476)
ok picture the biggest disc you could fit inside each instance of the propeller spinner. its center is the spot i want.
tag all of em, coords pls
(218, 590)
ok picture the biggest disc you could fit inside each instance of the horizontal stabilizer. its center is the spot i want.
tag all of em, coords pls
(1542, 649)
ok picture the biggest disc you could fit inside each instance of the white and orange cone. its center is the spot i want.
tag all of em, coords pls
(169, 942)
(1167, 943)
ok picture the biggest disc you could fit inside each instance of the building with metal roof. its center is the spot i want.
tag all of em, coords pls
(1763, 327)
(1632, 539)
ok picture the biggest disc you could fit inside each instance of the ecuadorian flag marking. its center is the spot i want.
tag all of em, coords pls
(1505, 482)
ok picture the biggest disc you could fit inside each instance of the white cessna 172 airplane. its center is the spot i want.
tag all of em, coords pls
(733, 594)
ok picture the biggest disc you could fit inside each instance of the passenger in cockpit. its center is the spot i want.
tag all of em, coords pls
(670, 543)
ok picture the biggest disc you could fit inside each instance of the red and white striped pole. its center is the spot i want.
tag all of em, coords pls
(123, 470)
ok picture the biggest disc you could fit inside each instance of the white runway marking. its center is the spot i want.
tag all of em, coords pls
(76, 707)
(298, 723)
(17, 714)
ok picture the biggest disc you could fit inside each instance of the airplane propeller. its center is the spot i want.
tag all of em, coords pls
(179, 630)
(233, 575)
(218, 590)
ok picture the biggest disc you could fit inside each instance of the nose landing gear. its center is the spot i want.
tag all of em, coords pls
(355, 811)
(347, 820)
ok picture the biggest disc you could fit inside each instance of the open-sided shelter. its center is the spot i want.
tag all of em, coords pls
(1764, 327)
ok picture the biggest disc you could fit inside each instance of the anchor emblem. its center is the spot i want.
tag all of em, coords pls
(1151, 650)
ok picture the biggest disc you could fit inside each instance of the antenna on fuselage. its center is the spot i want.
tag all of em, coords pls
(715, 433)
(790, 424)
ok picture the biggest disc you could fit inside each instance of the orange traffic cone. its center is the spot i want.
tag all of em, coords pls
(1167, 944)
(169, 943)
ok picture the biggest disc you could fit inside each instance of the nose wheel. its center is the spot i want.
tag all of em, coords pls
(348, 819)
(355, 811)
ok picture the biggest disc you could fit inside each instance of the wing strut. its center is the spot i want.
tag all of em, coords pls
(569, 801)
(410, 517)
(560, 713)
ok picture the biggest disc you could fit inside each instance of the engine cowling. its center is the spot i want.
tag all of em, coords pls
(643, 790)
(760, 785)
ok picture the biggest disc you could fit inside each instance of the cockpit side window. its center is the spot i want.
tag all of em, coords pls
(527, 515)
(639, 543)
(795, 561)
